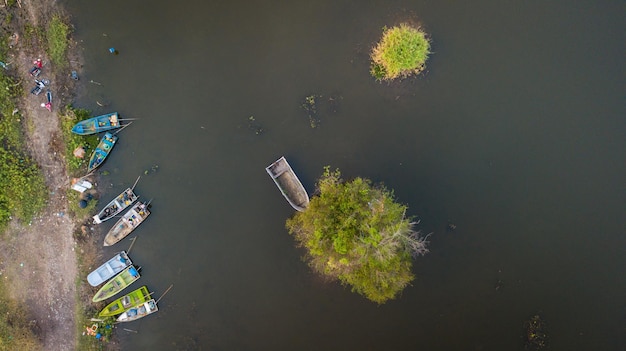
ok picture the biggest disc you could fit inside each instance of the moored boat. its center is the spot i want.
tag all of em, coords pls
(288, 183)
(109, 269)
(129, 221)
(102, 151)
(117, 205)
(126, 302)
(117, 283)
(97, 124)
(140, 311)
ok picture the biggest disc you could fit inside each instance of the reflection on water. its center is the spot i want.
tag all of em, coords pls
(514, 134)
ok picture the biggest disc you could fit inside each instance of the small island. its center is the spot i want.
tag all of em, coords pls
(354, 232)
(402, 52)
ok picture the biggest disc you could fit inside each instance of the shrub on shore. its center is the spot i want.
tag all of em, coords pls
(402, 51)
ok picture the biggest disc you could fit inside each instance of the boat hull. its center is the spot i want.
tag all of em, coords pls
(97, 124)
(133, 314)
(117, 283)
(102, 151)
(125, 225)
(288, 183)
(109, 269)
(126, 302)
(115, 206)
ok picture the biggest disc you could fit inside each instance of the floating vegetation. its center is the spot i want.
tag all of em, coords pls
(536, 335)
(314, 103)
(152, 169)
(310, 106)
(254, 126)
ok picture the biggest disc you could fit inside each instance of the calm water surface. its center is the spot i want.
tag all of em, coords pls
(515, 133)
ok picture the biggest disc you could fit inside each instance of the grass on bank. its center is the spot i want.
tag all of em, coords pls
(22, 189)
(402, 51)
(58, 42)
(76, 167)
(15, 332)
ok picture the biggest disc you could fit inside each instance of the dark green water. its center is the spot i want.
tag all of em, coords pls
(515, 133)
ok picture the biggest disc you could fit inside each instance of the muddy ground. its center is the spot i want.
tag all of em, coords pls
(38, 260)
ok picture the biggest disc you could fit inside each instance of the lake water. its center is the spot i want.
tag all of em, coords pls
(515, 134)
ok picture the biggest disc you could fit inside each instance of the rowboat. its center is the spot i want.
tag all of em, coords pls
(102, 151)
(97, 124)
(121, 305)
(129, 221)
(288, 183)
(117, 284)
(117, 205)
(140, 311)
(109, 269)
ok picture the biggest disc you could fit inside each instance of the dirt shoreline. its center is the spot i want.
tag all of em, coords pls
(39, 260)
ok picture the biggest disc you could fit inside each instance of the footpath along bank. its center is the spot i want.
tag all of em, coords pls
(44, 260)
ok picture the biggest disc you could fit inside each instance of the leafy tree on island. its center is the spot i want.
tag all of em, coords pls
(402, 51)
(355, 232)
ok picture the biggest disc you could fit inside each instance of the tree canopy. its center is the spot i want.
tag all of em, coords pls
(355, 232)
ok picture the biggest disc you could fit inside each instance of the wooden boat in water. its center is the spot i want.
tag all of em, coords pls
(109, 269)
(129, 221)
(117, 283)
(102, 151)
(97, 124)
(117, 205)
(288, 183)
(126, 302)
(140, 311)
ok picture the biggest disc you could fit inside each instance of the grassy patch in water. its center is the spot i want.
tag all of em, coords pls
(402, 51)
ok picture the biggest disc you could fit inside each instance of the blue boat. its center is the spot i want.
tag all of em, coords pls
(97, 124)
(102, 151)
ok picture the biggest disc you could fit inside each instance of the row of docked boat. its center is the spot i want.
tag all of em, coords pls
(129, 221)
(119, 272)
(99, 124)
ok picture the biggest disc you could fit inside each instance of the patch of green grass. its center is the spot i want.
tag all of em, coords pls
(76, 166)
(23, 192)
(15, 331)
(58, 40)
(32, 33)
(74, 197)
(402, 51)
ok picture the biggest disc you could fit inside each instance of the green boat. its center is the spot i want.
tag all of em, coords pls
(117, 284)
(121, 305)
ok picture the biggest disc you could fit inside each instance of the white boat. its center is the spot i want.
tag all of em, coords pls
(109, 269)
(129, 221)
(140, 311)
(288, 183)
(117, 205)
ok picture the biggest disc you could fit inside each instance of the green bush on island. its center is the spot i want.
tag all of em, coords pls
(402, 51)
(58, 34)
(355, 232)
